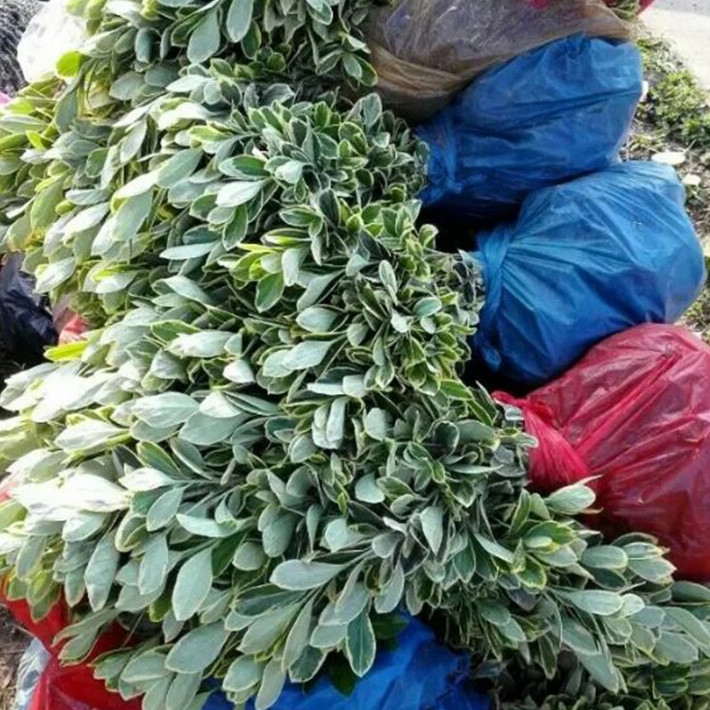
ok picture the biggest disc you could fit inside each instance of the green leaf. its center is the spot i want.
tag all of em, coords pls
(239, 19)
(179, 167)
(198, 650)
(165, 410)
(300, 575)
(188, 251)
(130, 217)
(271, 685)
(367, 490)
(204, 527)
(183, 690)
(307, 355)
(145, 479)
(360, 645)
(601, 668)
(376, 424)
(138, 186)
(244, 673)
(593, 601)
(239, 372)
(571, 500)
(101, 571)
(203, 345)
(193, 583)
(54, 275)
(205, 431)
(391, 593)
(265, 631)
(269, 291)
(317, 319)
(234, 194)
(153, 568)
(689, 623)
(605, 557)
(205, 39)
(676, 648)
(297, 639)
(163, 511)
(432, 520)
(68, 65)
(88, 434)
(578, 638)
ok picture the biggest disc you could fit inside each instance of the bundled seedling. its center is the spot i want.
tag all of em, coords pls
(264, 450)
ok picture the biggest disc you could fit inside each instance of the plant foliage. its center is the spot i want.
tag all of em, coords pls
(265, 450)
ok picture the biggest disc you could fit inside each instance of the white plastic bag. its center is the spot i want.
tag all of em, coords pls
(31, 668)
(51, 33)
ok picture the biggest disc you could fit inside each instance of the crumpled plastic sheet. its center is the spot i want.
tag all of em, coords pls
(425, 51)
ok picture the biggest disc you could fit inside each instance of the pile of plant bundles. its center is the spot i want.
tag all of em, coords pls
(583, 261)
(416, 672)
(548, 116)
(263, 453)
(426, 51)
(633, 417)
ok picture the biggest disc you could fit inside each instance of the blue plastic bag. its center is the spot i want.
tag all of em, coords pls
(550, 115)
(584, 261)
(420, 674)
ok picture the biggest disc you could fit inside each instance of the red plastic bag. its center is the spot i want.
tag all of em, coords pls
(69, 687)
(70, 326)
(636, 413)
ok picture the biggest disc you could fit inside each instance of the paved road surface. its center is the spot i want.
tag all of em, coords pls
(687, 24)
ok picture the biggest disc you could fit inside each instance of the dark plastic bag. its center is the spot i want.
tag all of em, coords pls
(585, 260)
(636, 413)
(426, 51)
(26, 326)
(420, 674)
(553, 114)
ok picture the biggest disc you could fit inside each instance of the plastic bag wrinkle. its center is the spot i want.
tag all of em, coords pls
(635, 413)
(584, 261)
(425, 51)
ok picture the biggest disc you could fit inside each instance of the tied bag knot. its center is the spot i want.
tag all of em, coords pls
(553, 463)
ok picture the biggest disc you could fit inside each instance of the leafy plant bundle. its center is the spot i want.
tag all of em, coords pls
(265, 449)
(626, 9)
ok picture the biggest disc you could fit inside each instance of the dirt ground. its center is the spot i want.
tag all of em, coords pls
(13, 642)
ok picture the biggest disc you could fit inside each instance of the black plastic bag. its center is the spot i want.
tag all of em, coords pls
(26, 326)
